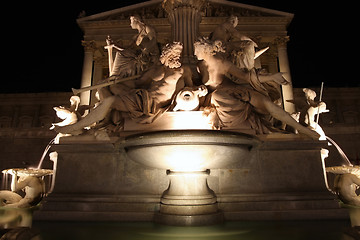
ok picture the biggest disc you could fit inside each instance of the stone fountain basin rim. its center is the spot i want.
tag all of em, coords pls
(32, 172)
(190, 137)
(189, 150)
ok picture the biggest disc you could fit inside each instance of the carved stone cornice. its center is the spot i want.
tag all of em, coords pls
(89, 45)
(281, 41)
(170, 5)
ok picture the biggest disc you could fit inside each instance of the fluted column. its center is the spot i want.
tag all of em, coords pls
(86, 78)
(184, 17)
(287, 90)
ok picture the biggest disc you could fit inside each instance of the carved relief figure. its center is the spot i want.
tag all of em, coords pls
(236, 101)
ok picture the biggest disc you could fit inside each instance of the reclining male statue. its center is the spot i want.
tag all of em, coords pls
(144, 104)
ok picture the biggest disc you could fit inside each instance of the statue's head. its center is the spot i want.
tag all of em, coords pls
(204, 47)
(233, 20)
(309, 94)
(135, 22)
(170, 55)
(75, 101)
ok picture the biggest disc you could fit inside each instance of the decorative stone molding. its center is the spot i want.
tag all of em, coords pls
(281, 41)
(172, 5)
(184, 17)
(89, 45)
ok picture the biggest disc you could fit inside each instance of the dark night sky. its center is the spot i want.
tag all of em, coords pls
(43, 52)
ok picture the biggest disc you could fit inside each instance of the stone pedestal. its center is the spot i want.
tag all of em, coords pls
(283, 180)
(190, 200)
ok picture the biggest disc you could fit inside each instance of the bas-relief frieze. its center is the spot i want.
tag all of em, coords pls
(210, 9)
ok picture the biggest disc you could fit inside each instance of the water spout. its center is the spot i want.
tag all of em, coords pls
(44, 153)
(342, 154)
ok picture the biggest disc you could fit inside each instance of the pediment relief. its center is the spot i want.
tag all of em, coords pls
(213, 8)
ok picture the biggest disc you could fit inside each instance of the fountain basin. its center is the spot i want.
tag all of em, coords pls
(189, 150)
(188, 156)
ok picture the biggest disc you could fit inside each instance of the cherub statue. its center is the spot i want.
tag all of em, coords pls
(346, 183)
(311, 110)
(237, 101)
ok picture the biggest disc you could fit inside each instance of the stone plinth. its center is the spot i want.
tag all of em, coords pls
(283, 180)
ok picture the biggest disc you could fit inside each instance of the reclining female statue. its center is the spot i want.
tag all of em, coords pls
(237, 102)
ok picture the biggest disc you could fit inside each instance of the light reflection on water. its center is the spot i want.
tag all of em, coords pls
(329, 230)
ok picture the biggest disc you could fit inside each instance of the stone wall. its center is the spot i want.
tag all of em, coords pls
(24, 126)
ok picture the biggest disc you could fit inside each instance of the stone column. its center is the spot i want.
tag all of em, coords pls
(86, 79)
(287, 90)
(184, 17)
(97, 75)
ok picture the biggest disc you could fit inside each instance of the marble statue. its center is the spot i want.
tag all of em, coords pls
(240, 50)
(141, 52)
(233, 91)
(237, 101)
(308, 110)
(143, 104)
(346, 183)
(28, 180)
(69, 115)
(66, 115)
(314, 109)
(237, 45)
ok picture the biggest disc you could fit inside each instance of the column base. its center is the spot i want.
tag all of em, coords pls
(189, 201)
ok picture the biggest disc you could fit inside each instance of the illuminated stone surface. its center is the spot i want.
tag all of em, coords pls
(282, 180)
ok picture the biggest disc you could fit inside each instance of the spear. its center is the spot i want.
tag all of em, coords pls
(320, 98)
(108, 81)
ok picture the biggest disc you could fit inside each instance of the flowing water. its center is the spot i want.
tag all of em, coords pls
(341, 152)
(45, 152)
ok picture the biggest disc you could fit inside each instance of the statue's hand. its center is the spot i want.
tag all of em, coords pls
(202, 91)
